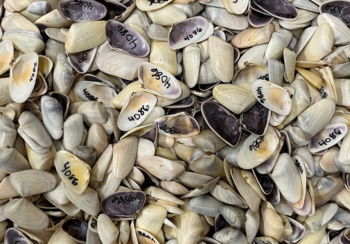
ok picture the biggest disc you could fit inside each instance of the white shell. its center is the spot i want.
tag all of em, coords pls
(23, 76)
(272, 96)
(136, 110)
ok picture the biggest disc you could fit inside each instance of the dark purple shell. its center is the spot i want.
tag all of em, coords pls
(125, 38)
(76, 229)
(83, 10)
(123, 204)
(222, 122)
(339, 9)
(258, 19)
(264, 182)
(281, 9)
(12, 235)
(256, 119)
(220, 222)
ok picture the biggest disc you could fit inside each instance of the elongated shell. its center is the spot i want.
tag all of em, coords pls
(34, 133)
(272, 96)
(88, 11)
(25, 214)
(236, 98)
(124, 156)
(257, 149)
(85, 36)
(178, 125)
(23, 76)
(253, 36)
(221, 56)
(123, 37)
(31, 182)
(136, 110)
(73, 171)
(320, 44)
(158, 81)
(119, 64)
(189, 31)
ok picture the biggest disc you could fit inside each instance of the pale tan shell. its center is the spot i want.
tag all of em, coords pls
(163, 56)
(253, 36)
(124, 156)
(221, 56)
(84, 36)
(67, 162)
(320, 44)
(237, 99)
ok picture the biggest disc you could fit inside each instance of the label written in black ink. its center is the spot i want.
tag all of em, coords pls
(141, 113)
(261, 113)
(334, 8)
(69, 174)
(172, 130)
(83, 57)
(84, 4)
(123, 200)
(128, 37)
(159, 76)
(156, 2)
(323, 93)
(299, 166)
(93, 223)
(264, 77)
(195, 32)
(256, 143)
(331, 137)
(89, 96)
(34, 69)
(260, 95)
(289, 16)
(145, 235)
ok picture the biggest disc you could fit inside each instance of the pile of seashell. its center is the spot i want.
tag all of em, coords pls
(175, 121)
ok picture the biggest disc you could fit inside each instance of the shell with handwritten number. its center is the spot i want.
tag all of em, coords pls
(174, 121)
(159, 81)
(136, 110)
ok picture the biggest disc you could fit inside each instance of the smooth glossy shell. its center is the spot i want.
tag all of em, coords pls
(281, 9)
(222, 122)
(178, 125)
(123, 204)
(136, 111)
(81, 11)
(158, 81)
(123, 37)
